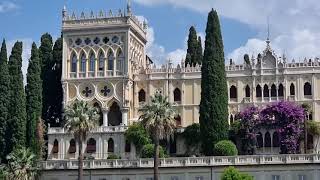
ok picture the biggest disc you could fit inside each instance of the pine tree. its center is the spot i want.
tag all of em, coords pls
(214, 95)
(17, 107)
(33, 98)
(199, 52)
(192, 47)
(4, 101)
(57, 72)
(47, 77)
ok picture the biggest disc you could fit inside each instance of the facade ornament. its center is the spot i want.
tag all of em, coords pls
(73, 16)
(129, 12)
(64, 12)
(145, 25)
(101, 14)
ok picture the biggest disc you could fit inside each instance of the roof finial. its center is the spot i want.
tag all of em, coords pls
(64, 12)
(129, 12)
(268, 38)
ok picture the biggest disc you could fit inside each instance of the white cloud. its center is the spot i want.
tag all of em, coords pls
(26, 53)
(294, 23)
(7, 6)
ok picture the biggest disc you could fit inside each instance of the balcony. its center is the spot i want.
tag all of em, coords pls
(102, 129)
(246, 99)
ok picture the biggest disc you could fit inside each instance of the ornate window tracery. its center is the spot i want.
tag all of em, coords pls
(92, 63)
(83, 66)
(110, 60)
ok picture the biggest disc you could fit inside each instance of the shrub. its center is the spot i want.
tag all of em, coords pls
(232, 173)
(113, 156)
(225, 148)
(192, 138)
(137, 135)
(148, 151)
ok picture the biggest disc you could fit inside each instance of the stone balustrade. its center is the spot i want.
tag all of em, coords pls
(102, 129)
(186, 162)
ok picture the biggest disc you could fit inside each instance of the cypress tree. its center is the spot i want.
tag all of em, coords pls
(214, 95)
(17, 105)
(192, 47)
(4, 101)
(34, 98)
(199, 51)
(47, 77)
(57, 72)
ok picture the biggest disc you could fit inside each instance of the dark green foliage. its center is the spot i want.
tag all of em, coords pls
(34, 99)
(225, 148)
(148, 151)
(199, 51)
(193, 48)
(232, 173)
(4, 101)
(16, 136)
(137, 135)
(192, 138)
(214, 94)
(246, 59)
(113, 156)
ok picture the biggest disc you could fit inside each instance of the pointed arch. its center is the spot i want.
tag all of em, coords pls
(247, 90)
(91, 146)
(72, 147)
(110, 60)
(110, 146)
(307, 89)
(55, 149)
(266, 91)
(233, 92)
(74, 62)
(120, 60)
(259, 140)
(83, 65)
(292, 90)
(258, 91)
(177, 95)
(92, 62)
(280, 90)
(275, 139)
(267, 140)
(273, 90)
(101, 60)
(142, 96)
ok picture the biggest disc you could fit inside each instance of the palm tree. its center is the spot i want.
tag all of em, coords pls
(81, 118)
(158, 119)
(21, 165)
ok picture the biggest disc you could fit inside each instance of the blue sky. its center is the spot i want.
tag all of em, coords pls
(294, 23)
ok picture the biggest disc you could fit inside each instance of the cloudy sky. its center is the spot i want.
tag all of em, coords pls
(294, 24)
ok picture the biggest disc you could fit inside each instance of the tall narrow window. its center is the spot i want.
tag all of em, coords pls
(260, 140)
(231, 119)
(247, 91)
(178, 120)
(72, 147)
(110, 145)
(177, 95)
(273, 91)
(142, 96)
(55, 148)
(233, 92)
(267, 140)
(83, 66)
(101, 61)
(275, 139)
(258, 91)
(92, 63)
(280, 91)
(120, 61)
(307, 89)
(91, 146)
(127, 147)
(266, 91)
(292, 90)
(110, 60)
(74, 63)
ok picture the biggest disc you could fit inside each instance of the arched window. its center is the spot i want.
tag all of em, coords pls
(83, 65)
(310, 141)
(55, 149)
(120, 61)
(307, 89)
(275, 139)
(127, 147)
(92, 63)
(292, 90)
(142, 96)
(178, 120)
(248, 91)
(110, 145)
(266, 91)
(310, 117)
(259, 140)
(91, 146)
(280, 90)
(267, 140)
(177, 95)
(258, 91)
(101, 61)
(110, 60)
(231, 119)
(98, 107)
(72, 147)
(273, 91)
(74, 63)
(233, 92)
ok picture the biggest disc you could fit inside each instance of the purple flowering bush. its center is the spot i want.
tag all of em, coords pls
(286, 118)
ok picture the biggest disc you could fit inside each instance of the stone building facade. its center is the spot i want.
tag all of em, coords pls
(105, 63)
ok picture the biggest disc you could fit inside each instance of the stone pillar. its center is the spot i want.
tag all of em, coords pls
(105, 117)
(125, 117)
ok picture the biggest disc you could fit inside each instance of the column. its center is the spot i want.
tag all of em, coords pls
(125, 117)
(105, 117)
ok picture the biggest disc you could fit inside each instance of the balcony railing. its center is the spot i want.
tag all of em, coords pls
(186, 162)
(102, 129)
